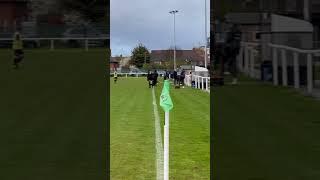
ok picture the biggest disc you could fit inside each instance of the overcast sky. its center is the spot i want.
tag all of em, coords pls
(149, 22)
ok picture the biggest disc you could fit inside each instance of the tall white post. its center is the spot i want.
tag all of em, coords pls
(206, 38)
(306, 10)
(202, 83)
(284, 68)
(51, 44)
(275, 66)
(310, 73)
(166, 147)
(252, 63)
(174, 37)
(240, 59)
(296, 70)
(246, 59)
(207, 84)
(86, 44)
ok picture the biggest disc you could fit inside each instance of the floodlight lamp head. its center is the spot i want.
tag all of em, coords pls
(173, 12)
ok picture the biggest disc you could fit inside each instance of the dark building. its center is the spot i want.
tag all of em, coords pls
(12, 14)
(114, 63)
(253, 12)
(196, 56)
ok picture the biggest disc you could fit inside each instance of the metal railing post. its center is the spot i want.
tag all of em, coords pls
(275, 66)
(296, 70)
(310, 72)
(284, 68)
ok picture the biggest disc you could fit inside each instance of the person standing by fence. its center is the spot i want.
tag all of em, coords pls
(149, 79)
(175, 76)
(233, 49)
(17, 47)
(115, 76)
(182, 77)
(155, 78)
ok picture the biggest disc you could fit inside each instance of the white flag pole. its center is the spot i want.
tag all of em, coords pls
(166, 147)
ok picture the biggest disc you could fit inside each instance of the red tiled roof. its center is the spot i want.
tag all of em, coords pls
(164, 55)
(114, 60)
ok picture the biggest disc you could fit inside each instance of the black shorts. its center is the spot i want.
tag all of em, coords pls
(18, 55)
(18, 52)
(115, 78)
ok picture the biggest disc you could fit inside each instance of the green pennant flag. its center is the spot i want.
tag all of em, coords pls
(165, 99)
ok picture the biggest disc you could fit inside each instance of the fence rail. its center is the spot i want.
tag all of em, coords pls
(296, 64)
(198, 82)
(130, 74)
(246, 57)
(246, 63)
(86, 40)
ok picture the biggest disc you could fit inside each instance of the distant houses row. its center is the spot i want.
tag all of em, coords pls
(46, 21)
(14, 12)
(193, 56)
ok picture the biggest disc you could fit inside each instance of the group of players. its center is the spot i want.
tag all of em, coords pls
(226, 53)
(178, 78)
(152, 78)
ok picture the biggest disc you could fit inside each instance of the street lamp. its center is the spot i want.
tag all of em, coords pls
(174, 37)
(206, 38)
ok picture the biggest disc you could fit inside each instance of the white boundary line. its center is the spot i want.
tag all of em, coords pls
(158, 139)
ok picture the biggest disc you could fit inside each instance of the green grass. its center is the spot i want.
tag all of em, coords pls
(52, 116)
(133, 154)
(265, 132)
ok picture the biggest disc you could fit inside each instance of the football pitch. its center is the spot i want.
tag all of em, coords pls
(265, 132)
(133, 131)
(52, 111)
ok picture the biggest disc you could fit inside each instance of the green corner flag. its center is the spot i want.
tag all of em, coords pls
(165, 99)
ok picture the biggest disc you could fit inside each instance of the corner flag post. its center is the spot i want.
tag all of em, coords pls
(166, 147)
(166, 104)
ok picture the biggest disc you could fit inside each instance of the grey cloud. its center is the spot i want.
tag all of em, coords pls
(149, 22)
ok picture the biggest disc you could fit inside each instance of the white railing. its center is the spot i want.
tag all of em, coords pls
(246, 63)
(200, 82)
(52, 40)
(296, 64)
(246, 58)
(130, 74)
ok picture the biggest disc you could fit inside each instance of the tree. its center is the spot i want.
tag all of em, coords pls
(140, 55)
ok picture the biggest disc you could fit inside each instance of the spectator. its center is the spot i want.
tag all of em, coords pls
(232, 50)
(182, 77)
(149, 79)
(175, 76)
(115, 76)
(155, 78)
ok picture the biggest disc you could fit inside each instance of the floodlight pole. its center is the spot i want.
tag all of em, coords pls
(174, 37)
(206, 38)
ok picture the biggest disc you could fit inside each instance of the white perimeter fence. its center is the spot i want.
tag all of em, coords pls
(130, 74)
(52, 43)
(198, 82)
(195, 81)
(281, 58)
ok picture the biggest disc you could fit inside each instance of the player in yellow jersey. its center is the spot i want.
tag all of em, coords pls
(115, 76)
(17, 47)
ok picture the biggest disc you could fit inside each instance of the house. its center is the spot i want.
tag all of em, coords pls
(114, 64)
(12, 14)
(255, 14)
(195, 56)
